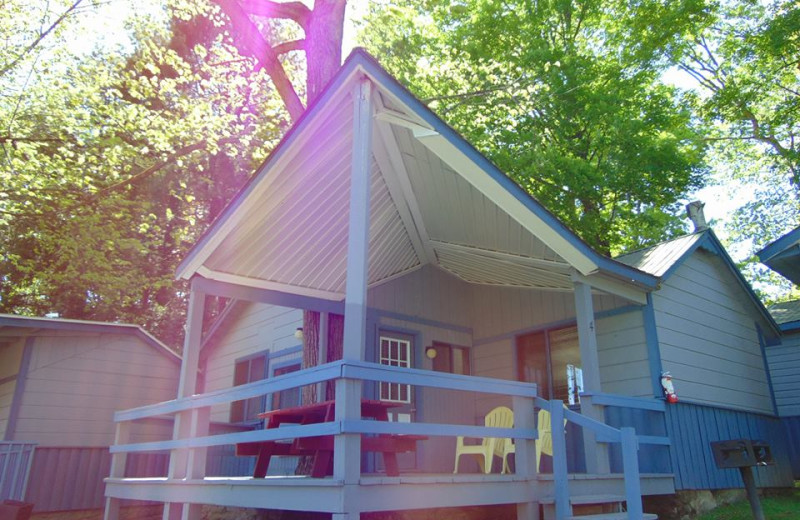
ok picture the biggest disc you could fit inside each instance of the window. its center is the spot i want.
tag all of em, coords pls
(450, 358)
(286, 398)
(245, 371)
(552, 359)
(395, 352)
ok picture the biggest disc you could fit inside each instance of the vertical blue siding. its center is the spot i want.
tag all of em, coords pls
(792, 427)
(67, 478)
(693, 427)
(652, 458)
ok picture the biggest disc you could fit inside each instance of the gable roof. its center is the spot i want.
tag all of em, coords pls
(786, 314)
(664, 258)
(435, 200)
(783, 255)
(30, 326)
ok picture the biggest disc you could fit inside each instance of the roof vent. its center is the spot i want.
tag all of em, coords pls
(695, 212)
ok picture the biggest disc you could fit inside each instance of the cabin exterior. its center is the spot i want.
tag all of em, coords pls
(783, 256)
(423, 277)
(61, 382)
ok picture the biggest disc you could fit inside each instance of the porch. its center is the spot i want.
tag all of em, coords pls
(355, 488)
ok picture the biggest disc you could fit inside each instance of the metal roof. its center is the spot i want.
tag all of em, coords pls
(783, 255)
(12, 324)
(660, 258)
(434, 200)
(785, 312)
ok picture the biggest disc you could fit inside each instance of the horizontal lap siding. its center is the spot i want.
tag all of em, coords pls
(692, 428)
(254, 328)
(708, 338)
(428, 293)
(10, 359)
(784, 367)
(6, 397)
(622, 353)
(74, 385)
(500, 310)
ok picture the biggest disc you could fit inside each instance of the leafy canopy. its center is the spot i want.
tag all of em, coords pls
(563, 96)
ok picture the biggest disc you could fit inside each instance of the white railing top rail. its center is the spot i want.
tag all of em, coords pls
(329, 371)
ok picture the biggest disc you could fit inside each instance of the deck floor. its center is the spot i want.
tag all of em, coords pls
(372, 492)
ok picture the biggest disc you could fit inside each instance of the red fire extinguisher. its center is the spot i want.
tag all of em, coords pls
(669, 390)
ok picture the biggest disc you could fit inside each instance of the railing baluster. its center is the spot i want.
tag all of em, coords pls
(630, 465)
(560, 477)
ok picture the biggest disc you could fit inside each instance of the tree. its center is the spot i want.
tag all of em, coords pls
(745, 64)
(563, 96)
(112, 166)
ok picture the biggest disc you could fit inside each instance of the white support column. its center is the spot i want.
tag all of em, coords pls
(596, 453)
(190, 422)
(355, 303)
(347, 447)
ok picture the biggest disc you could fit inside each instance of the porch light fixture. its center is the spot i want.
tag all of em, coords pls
(298, 333)
(430, 352)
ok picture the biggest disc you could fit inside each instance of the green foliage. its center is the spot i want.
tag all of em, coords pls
(563, 96)
(114, 162)
(745, 62)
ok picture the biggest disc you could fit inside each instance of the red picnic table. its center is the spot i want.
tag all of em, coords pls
(321, 447)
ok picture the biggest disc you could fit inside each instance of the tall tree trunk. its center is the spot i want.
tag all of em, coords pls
(323, 45)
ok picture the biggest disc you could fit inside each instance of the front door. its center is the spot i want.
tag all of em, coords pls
(397, 350)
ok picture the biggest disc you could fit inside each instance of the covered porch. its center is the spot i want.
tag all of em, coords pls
(374, 209)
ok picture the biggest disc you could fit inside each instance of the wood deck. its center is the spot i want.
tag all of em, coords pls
(374, 492)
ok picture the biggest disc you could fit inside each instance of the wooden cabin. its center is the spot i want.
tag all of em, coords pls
(60, 383)
(783, 257)
(427, 281)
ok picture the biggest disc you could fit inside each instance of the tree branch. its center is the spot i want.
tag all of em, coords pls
(41, 37)
(294, 45)
(294, 11)
(250, 42)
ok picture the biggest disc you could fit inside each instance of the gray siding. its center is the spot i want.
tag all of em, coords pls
(75, 384)
(254, 328)
(622, 352)
(501, 310)
(429, 293)
(784, 368)
(708, 338)
(10, 358)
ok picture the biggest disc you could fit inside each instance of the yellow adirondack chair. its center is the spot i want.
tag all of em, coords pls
(544, 444)
(500, 417)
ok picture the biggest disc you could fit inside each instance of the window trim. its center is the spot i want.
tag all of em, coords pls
(265, 354)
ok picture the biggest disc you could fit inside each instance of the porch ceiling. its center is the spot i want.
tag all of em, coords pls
(288, 229)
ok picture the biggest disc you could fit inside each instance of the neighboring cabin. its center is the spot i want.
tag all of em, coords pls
(60, 383)
(783, 256)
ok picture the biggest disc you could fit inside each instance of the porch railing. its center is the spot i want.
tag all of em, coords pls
(15, 467)
(188, 450)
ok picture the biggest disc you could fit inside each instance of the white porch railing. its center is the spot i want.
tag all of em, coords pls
(15, 467)
(189, 452)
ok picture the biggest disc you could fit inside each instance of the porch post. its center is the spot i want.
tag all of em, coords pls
(347, 447)
(525, 452)
(596, 453)
(189, 422)
(322, 355)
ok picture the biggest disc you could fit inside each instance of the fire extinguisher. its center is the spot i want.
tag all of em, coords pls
(669, 390)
